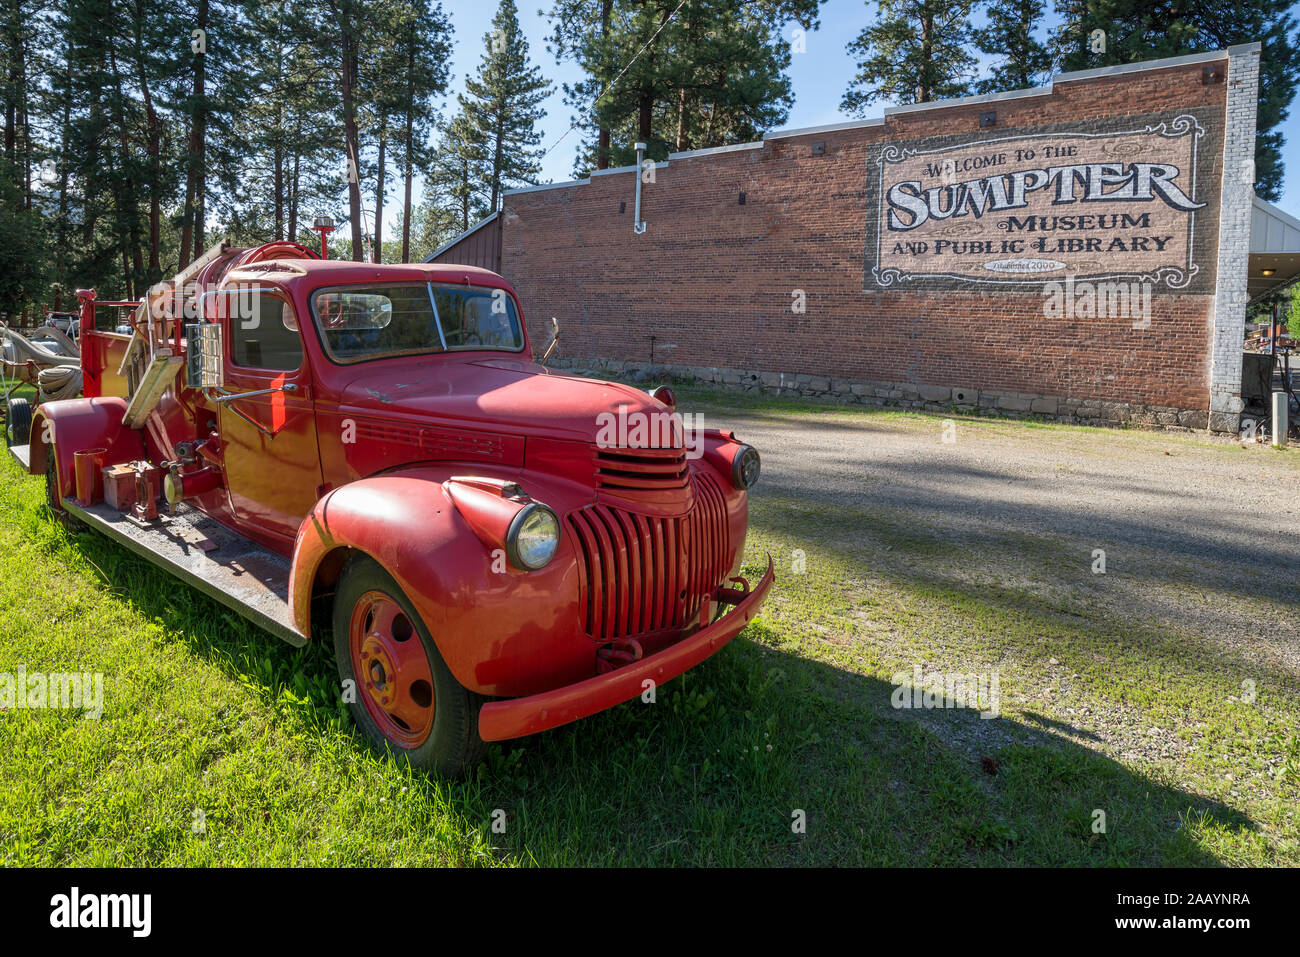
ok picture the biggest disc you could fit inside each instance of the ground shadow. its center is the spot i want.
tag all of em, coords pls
(758, 756)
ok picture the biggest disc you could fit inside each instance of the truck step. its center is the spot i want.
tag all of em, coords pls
(239, 573)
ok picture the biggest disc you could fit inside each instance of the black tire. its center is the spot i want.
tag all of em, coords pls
(18, 423)
(453, 746)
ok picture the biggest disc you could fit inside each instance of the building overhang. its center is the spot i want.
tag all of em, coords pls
(1274, 250)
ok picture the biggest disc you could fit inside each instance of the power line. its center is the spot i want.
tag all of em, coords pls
(574, 126)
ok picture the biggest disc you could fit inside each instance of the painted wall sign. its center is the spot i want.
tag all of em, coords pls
(1132, 199)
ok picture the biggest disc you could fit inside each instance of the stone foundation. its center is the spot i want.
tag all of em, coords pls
(925, 397)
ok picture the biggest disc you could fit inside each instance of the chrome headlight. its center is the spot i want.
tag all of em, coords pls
(745, 467)
(533, 537)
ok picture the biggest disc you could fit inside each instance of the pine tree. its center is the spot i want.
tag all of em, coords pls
(1023, 61)
(403, 68)
(457, 176)
(1148, 29)
(728, 72)
(674, 75)
(502, 107)
(22, 260)
(426, 52)
(432, 225)
(266, 124)
(916, 52)
(344, 27)
(214, 90)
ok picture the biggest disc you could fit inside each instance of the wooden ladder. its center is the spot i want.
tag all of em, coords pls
(150, 364)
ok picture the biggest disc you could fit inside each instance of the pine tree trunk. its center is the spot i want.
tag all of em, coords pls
(406, 208)
(191, 216)
(293, 194)
(379, 201)
(61, 249)
(408, 145)
(127, 197)
(11, 104)
(351, 139)
(277, 154)
(645, 115)
(683, 138)
(153, 144)
(496, 164)
(354, 187)
(464, 196)
(602, 138)
(925, 68)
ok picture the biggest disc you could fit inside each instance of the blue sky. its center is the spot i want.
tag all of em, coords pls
(819, 76)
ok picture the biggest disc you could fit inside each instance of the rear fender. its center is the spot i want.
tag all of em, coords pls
(75, 425)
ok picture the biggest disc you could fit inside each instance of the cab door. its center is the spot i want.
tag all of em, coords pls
(269, 444)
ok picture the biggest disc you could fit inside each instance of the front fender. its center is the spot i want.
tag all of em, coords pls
(75, 425)
(502, 631)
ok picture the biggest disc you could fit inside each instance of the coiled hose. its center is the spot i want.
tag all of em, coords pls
(59, 382)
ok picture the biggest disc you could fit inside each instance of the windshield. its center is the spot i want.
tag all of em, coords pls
(370, 322)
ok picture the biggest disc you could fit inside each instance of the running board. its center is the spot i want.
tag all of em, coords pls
(239, 573)
(23, 453)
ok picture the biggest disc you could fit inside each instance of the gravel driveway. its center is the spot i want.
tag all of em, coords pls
(1198, 533)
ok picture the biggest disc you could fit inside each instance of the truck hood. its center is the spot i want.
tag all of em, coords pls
(510, 396)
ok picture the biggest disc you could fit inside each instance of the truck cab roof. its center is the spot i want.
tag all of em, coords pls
(313, 273)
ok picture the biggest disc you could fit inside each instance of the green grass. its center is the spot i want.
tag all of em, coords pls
(204, 713)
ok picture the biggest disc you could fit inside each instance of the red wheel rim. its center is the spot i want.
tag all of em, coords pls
(394, 680)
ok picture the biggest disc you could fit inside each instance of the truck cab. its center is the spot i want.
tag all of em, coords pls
(492, 548)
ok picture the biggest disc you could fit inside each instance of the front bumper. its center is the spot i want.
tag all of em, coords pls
(517, 717)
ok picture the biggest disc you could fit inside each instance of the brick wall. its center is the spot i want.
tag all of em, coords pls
(714, 282)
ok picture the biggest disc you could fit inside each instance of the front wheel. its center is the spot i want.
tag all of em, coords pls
(399, 690)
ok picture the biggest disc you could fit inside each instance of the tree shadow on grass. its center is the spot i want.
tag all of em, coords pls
(690, 779)
(936, 494)
(758, 756)
(1043, 577)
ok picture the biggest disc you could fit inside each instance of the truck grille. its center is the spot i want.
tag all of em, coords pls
(640, 573)
(633, 470)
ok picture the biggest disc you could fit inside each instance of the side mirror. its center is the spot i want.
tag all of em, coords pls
(555, 340)
(203, 368)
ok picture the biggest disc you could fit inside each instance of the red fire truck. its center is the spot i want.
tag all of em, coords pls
(369, 455)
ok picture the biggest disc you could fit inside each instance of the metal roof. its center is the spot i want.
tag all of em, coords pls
(458, 237)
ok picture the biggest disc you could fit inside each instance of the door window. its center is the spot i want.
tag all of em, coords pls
(264, 332)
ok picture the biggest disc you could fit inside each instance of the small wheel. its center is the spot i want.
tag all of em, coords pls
(18, 422)
(404, 697)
